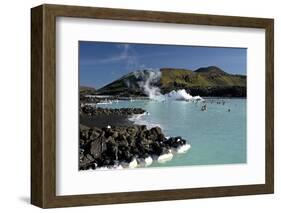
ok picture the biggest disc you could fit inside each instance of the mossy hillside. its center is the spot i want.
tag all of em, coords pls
(202, 81)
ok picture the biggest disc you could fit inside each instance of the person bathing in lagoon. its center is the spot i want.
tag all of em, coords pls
(204, 107)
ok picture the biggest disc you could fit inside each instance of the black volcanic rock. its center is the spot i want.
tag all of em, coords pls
(108, 150)
(93, 111)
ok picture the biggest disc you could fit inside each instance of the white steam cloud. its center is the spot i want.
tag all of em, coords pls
(150, 77)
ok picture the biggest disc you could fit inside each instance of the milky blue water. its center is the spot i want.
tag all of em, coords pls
(216, 135)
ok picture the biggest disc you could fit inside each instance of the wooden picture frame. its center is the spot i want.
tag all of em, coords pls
(43, 105)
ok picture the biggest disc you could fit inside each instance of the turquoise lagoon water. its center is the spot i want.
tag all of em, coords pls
(216, 135)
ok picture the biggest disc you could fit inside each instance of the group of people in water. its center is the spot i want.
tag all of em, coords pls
(204, 106)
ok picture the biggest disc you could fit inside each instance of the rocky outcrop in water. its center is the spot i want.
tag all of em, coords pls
(123, 146)
(93, 111)
(90, 98)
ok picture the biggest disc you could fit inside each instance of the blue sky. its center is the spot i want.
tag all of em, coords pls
(103, 62)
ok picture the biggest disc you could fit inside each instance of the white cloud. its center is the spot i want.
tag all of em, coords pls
(127, 54)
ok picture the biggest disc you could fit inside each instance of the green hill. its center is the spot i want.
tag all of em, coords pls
(87, 90)
(207, 81)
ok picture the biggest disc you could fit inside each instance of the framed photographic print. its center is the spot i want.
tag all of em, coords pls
(136, 106)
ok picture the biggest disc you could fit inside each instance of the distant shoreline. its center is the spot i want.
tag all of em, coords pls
(121, 98)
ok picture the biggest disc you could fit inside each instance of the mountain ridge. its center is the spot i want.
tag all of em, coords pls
(205, 81)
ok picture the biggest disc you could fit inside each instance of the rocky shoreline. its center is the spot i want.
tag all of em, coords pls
(93, 111)
(91, 98)
(108, 139)
(126, 147)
